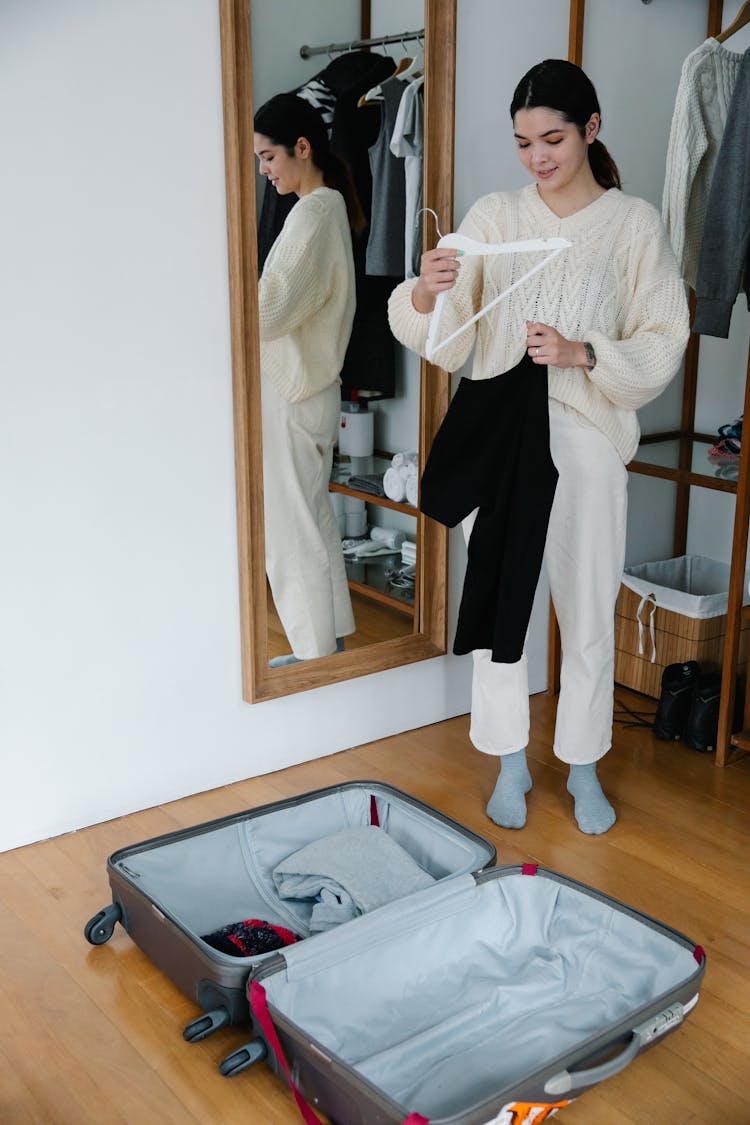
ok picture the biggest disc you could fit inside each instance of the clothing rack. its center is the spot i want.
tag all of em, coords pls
(354, 45)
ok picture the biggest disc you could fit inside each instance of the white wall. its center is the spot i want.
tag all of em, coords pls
(119, 648)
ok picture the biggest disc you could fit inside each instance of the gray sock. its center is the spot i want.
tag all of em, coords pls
(283, 661)
(593, 811)
(507, 805)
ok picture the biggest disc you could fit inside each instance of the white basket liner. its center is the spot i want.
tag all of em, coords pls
(691, 585)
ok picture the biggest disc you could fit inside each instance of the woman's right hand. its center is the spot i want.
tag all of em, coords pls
(438, 273)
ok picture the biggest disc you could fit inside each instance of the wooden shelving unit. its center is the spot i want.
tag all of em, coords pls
(379, 460)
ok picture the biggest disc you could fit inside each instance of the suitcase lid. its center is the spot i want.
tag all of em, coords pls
(396, 996)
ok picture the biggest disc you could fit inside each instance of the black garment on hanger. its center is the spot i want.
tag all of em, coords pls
(492, 453)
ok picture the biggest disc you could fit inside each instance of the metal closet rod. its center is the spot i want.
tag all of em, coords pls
(355, 44)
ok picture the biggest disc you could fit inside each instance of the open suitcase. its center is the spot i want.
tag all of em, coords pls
(492, 999)
(170, 890)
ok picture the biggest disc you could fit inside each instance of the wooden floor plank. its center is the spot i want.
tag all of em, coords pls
(94, 1034)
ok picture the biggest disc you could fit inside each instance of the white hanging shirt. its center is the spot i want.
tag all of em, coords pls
(408, 141)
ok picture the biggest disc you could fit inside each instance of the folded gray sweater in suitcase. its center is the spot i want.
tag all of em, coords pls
(352, 872)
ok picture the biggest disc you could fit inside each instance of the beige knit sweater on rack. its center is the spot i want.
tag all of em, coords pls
(617, 286)
(307, 297)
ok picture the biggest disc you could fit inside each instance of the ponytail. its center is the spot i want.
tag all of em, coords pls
(284, 119)
(337, 175)
(603, 166)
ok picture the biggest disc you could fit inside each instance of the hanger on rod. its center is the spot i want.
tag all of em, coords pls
(379, 41)
(742, 19)
(408, 67)
(415, 67)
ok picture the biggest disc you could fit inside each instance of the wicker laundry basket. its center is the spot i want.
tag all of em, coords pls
(668, 612)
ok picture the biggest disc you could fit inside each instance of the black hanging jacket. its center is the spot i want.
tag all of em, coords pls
(492, 453)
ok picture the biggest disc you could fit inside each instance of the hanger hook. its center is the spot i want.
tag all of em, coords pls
(403, 45)
(434, 215)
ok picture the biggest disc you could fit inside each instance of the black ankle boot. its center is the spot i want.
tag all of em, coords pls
(677, 684)
(702, 725)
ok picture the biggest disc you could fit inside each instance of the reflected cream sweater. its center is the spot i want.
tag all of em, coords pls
(617, 286)
(306, 297)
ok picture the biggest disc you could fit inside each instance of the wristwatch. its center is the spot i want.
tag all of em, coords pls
(590, 355)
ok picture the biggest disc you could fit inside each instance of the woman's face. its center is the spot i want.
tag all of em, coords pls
(551, 148)
(284, 171)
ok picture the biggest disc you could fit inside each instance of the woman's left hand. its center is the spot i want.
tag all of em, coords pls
(545, 345)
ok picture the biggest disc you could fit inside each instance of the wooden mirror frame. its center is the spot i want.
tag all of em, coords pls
(259, 682)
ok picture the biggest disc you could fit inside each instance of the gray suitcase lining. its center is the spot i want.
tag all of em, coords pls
(466, 990)
(209, 879)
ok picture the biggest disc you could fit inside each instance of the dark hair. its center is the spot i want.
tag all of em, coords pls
(563, 87)
(284, 119)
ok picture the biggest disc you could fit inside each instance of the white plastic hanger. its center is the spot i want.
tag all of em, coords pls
(405, 69)
(471, 246)
(414, 69)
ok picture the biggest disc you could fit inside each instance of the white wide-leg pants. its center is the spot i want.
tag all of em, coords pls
(304, 561)
(584, 556)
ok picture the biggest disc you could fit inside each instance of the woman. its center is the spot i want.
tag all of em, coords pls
(306, 308)
(609, 319)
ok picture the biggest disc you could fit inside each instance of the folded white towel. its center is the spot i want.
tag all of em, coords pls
(403, 459)
(412, 490)
(394, 484)
(387, 536)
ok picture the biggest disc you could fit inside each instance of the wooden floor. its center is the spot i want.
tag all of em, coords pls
(93, 1035)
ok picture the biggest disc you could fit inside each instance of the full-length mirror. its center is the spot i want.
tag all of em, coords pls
(339, 573)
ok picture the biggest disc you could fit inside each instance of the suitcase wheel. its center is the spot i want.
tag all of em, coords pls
(206, 1025)
(243, 1058)
(100, 928)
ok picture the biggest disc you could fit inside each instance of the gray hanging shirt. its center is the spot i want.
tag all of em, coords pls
(385, 245)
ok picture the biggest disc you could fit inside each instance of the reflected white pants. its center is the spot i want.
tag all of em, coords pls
(584, 557)
(304, 561)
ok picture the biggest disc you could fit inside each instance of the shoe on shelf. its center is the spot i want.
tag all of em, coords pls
(702, 725)
(677, 684)
(728, 471)
(731, 429)
(727, 449)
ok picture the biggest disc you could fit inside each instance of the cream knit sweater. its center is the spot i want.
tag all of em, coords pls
(707, 81)
(617, 286)
(307, 297)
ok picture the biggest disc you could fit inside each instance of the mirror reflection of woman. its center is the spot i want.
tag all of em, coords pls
(609, 319)
(306, 309)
